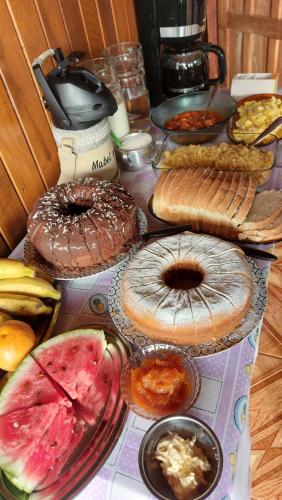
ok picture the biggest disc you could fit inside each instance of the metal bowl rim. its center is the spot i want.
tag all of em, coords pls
(193, 131)
(188, 418)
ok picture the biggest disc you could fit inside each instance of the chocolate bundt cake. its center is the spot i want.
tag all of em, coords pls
(82, 223)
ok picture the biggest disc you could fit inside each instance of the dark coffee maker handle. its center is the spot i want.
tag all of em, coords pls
(221, 61)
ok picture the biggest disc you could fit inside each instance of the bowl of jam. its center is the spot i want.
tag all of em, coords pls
(188, 120)
(159, 380)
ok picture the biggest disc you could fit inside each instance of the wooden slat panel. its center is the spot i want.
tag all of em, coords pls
(221, 15)
(247, 40)
(120, 20)
(33, 40)
(93, 26)
(274, 59)
(131, 20)
(13, 216)
(74, 25)
(262, 25)
(212, 34)
(260, 43)
(4, 249)
(16, 154)
(234, 42)
(52, 20)
(107, 20)
(18, 79)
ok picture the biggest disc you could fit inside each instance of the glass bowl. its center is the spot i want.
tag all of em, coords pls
(263, 176)
(186, 427)
(231, 125)
(160, 351)
(222, 103)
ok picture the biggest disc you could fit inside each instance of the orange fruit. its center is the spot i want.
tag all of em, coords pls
(16, 341)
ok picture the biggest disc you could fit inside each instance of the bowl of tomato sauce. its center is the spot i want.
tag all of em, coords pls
(159, 380)
(188, 120)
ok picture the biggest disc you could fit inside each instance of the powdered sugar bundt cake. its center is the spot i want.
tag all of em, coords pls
(187, 289)
(82, 223)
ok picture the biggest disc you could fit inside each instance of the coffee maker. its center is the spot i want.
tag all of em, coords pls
(175, 55)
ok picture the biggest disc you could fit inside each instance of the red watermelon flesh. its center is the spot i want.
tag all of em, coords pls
(20, 433)
(30, 386)
(54, 472)
(92, 404)
(53, 445)
(72, 359)
(116, 380)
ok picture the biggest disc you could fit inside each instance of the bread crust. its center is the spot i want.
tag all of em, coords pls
(266, 207)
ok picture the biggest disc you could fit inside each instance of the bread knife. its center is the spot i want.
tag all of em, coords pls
(170, 231)
(256, 253)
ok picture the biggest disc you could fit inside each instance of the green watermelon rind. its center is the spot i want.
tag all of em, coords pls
(14, 485)
(21, 482)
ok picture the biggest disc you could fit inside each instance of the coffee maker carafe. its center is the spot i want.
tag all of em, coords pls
(175, 56)
(186, 69)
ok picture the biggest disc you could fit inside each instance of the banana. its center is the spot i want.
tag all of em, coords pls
(22, 305)
(10, 268)
(36, 287)
(4, 317)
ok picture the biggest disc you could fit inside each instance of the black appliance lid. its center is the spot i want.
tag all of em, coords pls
(76, 98)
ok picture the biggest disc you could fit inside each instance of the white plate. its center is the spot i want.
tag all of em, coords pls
(32, 256)
(250, 322)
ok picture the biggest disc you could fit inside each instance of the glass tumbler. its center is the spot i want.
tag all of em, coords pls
(127, 60)
(105, 71)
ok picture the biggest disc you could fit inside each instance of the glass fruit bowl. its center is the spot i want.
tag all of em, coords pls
(159, 380)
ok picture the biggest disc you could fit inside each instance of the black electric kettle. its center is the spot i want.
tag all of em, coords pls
(186, 68)
(74, 96)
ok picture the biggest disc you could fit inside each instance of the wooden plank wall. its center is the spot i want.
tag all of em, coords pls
(28, 156)
(250, 32)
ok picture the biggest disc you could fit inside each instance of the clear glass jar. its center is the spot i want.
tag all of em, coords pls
(105, 71)
(128, 63)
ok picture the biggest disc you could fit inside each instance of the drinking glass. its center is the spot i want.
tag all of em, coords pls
(105, 71)
(128, 63)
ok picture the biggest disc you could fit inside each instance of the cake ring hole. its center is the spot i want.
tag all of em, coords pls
(183, 276)
(75, 209)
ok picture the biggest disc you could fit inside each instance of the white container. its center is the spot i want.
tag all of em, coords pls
(244, 84)
(119, 122)
(86, 152)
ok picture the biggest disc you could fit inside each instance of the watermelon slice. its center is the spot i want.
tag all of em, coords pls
(72, 359)
(90, 406)
(30, 386)
(116, 380)
(20, 433)
(54, 472)
(53, 445)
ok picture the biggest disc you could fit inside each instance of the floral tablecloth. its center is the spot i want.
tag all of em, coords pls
(224, 397)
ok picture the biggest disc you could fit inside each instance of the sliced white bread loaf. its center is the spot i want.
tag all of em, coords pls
(202, 197)
(272, 233)
(247, 201)
(266, 207)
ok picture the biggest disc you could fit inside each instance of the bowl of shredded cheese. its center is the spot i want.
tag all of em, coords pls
(180, 457)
